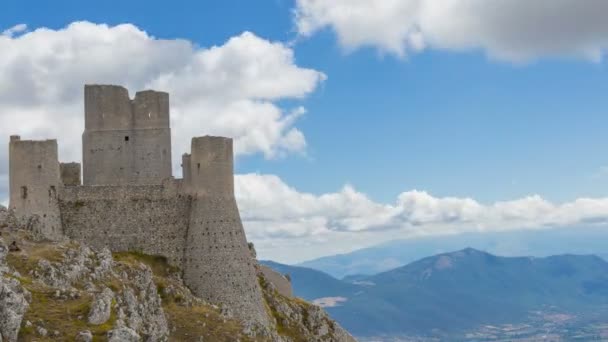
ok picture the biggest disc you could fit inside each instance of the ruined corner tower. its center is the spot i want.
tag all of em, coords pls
(216, 246)
(128, 199)
(34, 182)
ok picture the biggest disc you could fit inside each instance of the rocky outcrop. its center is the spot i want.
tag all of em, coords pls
(3, 216)
(101, 309)
(123, 334)
(130, 297)
(299, 320)
(13, 300)
(139, 307)
(280, 281)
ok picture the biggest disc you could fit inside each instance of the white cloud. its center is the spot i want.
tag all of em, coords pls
(228, 90)
(514, 30)
(289, 225)
(14, 30)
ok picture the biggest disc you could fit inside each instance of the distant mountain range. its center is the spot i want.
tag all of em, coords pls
(460, 292)
(312, 284)
(539, 243)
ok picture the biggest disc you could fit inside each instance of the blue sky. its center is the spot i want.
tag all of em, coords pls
(475, 118)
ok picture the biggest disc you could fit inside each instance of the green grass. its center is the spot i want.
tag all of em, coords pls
(159, 264)
(70, 316)
(190, 322)
(284, 328)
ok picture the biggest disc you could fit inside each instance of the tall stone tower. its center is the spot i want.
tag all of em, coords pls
(216, 246)
(34, 182)
(125, 141)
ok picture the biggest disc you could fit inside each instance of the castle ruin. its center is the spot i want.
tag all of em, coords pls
(128, 200)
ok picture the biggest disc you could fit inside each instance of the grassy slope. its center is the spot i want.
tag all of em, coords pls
(69, 316)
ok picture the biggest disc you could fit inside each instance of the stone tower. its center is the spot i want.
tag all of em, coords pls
(125, 141)
(216, 247)
(34, 182)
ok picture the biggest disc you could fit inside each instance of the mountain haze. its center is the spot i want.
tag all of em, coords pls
(539, 243)
(452, 293)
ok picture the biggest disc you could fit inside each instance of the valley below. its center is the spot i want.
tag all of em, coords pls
(467, 295)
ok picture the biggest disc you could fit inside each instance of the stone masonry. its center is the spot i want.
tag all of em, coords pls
(129, 200)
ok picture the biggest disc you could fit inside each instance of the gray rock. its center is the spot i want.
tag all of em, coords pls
(101, 308)
(312, 321)
(105, 264)
(140, 307)
(13, 301)
(3, 254)
(123, 334)
(41, 331)
(3, 216)
(84, 336)
(78, 264)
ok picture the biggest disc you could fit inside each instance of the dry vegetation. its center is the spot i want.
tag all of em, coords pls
(187, 321)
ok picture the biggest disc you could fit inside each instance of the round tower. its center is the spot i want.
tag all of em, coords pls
(218, 266)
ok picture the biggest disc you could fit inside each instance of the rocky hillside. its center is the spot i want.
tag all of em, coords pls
(66, 291)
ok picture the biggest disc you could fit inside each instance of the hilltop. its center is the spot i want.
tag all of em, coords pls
(53, 291)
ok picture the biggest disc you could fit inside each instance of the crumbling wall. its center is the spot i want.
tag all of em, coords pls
(70, 174)
(281, 283)
(152, 219)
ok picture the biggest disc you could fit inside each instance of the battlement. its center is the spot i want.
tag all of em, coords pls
(211, 166)
(109, 107)
(125, 141)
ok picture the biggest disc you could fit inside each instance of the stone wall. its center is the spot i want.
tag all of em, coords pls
(218, 265)
(70, 174)
(151, 219)
(280, 282)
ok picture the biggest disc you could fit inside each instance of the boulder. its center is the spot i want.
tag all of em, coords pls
(84, 336)
(101, 309)
(123, 334)
(13, 301)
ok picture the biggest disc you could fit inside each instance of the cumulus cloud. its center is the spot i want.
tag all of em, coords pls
(230, 89)
(514, 30)
(292, 225)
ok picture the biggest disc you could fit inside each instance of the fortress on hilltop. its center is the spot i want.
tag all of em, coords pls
(128, 200)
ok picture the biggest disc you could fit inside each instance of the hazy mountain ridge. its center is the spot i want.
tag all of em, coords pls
(312, 284)
(539, 243)
(458, 292)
